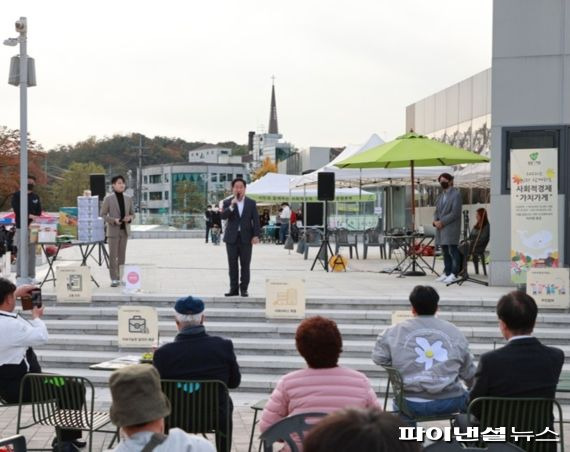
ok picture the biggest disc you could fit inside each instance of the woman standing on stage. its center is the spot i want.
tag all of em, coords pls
(118, 213)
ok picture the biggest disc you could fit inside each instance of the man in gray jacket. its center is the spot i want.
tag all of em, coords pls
(447, 221)
(431, 354)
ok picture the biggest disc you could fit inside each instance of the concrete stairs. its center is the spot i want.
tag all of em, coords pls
(82, 335)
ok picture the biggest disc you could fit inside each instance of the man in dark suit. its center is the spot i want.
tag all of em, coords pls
(242, 232)
(524, 367)
(195, 355)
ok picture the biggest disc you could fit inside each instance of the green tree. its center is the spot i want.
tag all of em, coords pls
(189, 198)
(74, 181)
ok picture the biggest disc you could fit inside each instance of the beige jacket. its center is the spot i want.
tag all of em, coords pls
(110, 212)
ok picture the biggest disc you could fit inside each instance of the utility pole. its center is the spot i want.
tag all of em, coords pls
(140, 149)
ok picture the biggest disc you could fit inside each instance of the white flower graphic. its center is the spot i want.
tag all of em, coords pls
(427, 353)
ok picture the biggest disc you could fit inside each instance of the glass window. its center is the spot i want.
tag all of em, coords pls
(145, 178)
(145, 196)
(155, 196)
(230, 177)
(155, 178)
(166, 196)
(223, 177)
(239, 176)
(214, 177)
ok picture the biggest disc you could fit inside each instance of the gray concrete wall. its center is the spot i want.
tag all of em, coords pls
(530, 87)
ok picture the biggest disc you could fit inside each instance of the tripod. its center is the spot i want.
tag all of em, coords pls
(323, 254)
(465, 275)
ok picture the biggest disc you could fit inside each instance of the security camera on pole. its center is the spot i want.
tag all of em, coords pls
(22, 69)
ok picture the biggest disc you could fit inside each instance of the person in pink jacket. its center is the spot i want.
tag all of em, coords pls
(324, 386)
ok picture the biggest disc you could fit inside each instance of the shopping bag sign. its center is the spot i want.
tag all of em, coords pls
(138, 326)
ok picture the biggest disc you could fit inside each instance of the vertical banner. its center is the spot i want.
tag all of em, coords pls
(534, 211)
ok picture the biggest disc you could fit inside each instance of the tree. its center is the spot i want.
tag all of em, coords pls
(189, 198)
(74, 181)
(266, 167)
(10, 163)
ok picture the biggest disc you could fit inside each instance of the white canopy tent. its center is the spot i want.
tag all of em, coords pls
(366, 176)
(275, 187)
(477, 175)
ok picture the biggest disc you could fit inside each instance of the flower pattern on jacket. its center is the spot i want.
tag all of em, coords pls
(428, 353)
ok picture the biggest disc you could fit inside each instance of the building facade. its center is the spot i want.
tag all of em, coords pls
(187, 187)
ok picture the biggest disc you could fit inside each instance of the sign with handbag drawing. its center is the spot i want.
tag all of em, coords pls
(138, 326)
(285, 298)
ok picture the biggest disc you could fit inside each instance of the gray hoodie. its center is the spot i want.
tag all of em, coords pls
(431, 354)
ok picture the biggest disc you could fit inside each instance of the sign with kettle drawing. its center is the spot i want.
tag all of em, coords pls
(534, 211)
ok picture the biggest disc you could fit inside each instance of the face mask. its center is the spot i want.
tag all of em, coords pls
(444, 185)
(31, 187)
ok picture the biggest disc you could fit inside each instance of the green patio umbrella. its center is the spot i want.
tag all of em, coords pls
(411, 150)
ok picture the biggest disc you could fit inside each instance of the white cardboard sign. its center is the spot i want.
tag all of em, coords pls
(138, 326)
(73, 284)
(549, 287)
(285, 298)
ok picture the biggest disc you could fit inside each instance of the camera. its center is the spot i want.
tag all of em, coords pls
(21, 25)
(32, 300)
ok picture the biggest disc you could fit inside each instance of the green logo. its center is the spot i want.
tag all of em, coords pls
(534, 156)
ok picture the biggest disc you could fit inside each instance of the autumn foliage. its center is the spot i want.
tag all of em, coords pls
(266, 167)
(10, 164)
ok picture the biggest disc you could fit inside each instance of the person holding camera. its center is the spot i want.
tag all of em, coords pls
(118, 212)
(17, 357)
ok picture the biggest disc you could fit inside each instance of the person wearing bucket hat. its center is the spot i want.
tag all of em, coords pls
(195, 355)
(139, 407)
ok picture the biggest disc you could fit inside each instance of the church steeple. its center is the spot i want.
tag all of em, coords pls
(273, 128)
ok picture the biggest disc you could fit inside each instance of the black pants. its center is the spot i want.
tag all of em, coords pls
(242, 252)
(11, 376)
(208, 227)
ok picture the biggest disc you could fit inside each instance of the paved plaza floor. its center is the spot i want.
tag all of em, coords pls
(190, 266)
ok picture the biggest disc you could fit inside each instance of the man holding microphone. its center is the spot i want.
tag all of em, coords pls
(241, 233)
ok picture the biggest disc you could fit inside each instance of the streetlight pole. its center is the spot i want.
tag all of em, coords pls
(24, 238)
(19, 76)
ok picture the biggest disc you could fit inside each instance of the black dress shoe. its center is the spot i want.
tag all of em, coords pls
(244, 293)
(79, 442)
(231, 293)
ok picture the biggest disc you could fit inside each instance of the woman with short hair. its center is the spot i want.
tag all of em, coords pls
(323, 386)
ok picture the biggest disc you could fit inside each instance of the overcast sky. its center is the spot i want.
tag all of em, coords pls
(201, 70)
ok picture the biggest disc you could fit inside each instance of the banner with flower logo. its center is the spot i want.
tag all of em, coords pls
(534, 211)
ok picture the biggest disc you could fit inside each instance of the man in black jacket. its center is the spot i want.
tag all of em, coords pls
(524, 367)
(195, 355)
(242, 232)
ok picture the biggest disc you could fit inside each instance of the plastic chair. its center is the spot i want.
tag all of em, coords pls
(313, 239)
(199, 406)
(60, 401)
(256, 407)
(522, 414)
(395, 378)
(373, 238)
(341, 239)
(290, 430)
(457, 447)
(16, 443)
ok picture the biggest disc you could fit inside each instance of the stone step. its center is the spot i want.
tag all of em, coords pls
(242, 345)
(282, 330)
(256, 386)
(376, 317)
(276, 365)
(469, 303)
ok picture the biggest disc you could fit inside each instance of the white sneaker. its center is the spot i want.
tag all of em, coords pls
(451, 278)
(441, 278)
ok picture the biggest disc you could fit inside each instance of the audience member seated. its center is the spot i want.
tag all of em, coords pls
(523, 367)
(354, 430)
(432, 356)
(324, 386)
(478, 237)
(17, 357)
(195, 355)
(139, 408)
